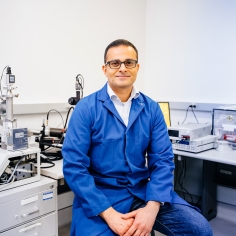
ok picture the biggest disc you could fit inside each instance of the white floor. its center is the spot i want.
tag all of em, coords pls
(225, 222)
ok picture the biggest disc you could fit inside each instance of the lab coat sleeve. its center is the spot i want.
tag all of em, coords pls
(160, 160)
(76, 162)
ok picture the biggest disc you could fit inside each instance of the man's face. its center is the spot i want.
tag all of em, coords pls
(121, 78)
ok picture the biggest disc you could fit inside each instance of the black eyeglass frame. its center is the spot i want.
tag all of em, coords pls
(122, 62)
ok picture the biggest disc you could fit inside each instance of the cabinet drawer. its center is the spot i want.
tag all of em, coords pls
(44, 226)
(27, 208)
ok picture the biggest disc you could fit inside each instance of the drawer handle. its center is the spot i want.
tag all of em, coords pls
(29, 227)
(30, 213)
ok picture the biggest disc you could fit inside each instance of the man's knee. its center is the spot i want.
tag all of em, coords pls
(197, 223)
(204, 228)
(179, 219)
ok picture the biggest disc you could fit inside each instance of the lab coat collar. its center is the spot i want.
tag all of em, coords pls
(102, 94)
(104, 97)
(136, 107)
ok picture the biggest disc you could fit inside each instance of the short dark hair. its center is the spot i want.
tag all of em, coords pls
(119, 42)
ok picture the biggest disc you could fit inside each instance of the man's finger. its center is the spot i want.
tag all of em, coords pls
(129, 215)
(130, 231)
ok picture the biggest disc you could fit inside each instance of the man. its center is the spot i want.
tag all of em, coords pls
(109, 134)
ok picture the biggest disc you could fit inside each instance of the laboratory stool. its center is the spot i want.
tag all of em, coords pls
(152, 233)
(157, 233)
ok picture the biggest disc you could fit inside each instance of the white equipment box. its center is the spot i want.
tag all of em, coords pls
(224, 123)
(189, 132)
(198, 145)
(192, 137)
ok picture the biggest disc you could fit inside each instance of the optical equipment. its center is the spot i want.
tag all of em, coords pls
(79, 86)
(54, 137)
(17, 161)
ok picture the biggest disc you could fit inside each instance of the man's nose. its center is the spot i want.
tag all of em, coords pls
(122, 66)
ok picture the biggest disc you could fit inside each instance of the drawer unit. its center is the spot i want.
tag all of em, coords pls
(26, 203)
(44, 226)
(28, 207)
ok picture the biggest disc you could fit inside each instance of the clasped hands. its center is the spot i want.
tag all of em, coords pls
(135, 223)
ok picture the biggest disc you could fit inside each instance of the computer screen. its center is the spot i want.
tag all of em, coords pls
(165, 108)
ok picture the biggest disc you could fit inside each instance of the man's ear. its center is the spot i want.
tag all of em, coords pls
(104, 69)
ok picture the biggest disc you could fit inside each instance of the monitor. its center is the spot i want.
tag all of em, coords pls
(165, 108)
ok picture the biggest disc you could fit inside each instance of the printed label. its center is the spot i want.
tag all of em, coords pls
(19, 135)
(47, 195)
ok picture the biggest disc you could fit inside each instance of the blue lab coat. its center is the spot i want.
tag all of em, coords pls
(104, 161)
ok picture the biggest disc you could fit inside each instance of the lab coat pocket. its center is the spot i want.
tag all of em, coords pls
(101, 154)
(141, 146)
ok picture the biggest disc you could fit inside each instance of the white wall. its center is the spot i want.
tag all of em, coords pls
(48, 42)
(191, 50)
(186, 49)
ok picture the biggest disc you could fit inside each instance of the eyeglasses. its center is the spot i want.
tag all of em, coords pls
(116, 64)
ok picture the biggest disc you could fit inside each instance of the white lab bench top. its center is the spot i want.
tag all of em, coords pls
(211, 155)
(54, 172)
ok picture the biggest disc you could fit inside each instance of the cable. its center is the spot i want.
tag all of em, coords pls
(55, 156)
(47, 148)
(186, 114)
(8, 183)
(194, 114)
(183, 174)
(4, 178)
(12, 174)
(199, 200)
(45, 167)
(190, 106)
(183, 163)
(58, 113)
(181, 183)
(1, 79)
(44, 159)
(63, 130)
(183, 189)
(15, 169)
(68, 115)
